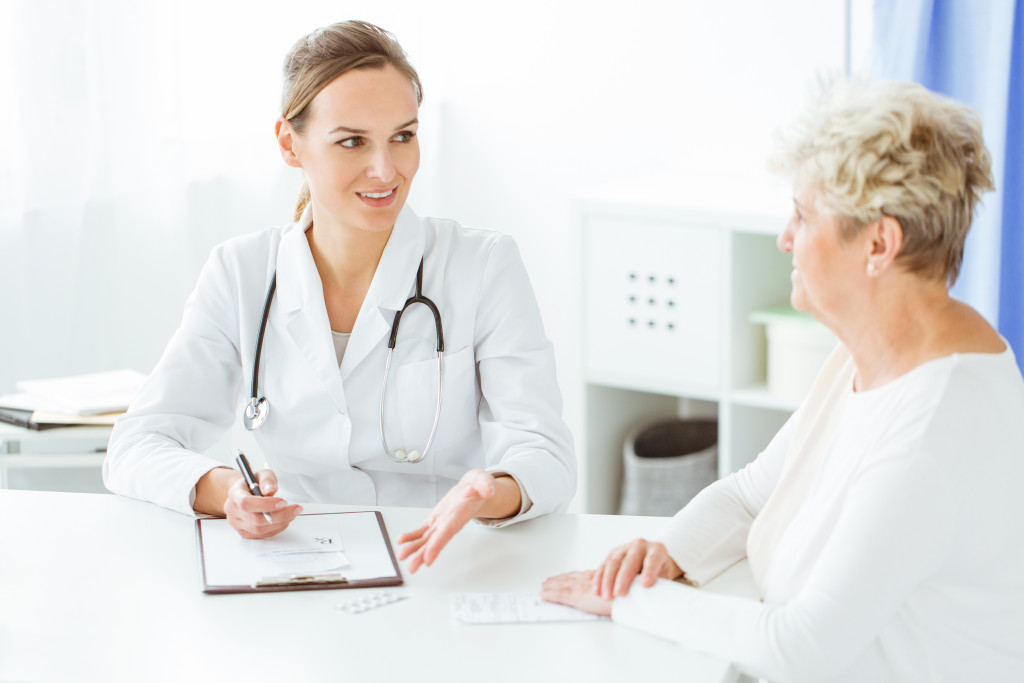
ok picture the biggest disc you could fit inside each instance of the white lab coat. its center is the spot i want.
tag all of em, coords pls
(501, 407)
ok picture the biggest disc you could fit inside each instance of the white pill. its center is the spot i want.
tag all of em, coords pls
(415, 456)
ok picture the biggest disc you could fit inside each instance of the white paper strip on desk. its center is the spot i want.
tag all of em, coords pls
(511, 608)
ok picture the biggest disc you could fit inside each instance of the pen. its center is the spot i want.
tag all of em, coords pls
(250, 480)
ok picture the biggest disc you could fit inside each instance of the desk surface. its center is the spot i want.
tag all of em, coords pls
(98, 587)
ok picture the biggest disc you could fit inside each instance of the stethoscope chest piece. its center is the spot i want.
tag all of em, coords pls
(255, 413)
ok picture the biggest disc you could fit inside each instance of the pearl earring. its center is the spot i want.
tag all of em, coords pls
(871, 268)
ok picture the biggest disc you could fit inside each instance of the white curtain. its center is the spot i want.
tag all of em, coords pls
(133, 137)
(974, 52)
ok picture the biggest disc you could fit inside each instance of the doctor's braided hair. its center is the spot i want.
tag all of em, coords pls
(328, 52)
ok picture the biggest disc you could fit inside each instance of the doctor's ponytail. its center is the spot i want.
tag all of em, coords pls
(326, 53)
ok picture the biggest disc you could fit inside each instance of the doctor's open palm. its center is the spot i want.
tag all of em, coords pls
(477, 494)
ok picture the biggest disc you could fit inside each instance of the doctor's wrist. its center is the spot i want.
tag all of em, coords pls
(212, 490)
(507, 501)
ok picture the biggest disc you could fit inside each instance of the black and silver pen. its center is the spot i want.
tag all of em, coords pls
(250, 480)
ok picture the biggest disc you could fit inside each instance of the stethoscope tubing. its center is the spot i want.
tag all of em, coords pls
(263, 330)
(258, 407)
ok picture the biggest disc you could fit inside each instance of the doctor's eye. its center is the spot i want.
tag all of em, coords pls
(355, 141)
(404, 136)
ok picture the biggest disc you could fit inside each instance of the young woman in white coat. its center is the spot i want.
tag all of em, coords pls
(327, 288)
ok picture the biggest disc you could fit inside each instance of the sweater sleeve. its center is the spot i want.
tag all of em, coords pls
(897, 515)
(710, 534)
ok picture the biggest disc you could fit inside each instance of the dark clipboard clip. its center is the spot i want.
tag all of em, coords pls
(301, 580)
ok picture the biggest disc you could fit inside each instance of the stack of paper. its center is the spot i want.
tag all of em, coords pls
(96, 398)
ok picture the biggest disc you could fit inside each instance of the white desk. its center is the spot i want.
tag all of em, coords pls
(101, 588)
(71, 448)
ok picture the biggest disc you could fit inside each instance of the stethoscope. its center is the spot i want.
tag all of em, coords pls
(258, 407)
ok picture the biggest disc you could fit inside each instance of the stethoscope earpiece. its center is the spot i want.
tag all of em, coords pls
(401, 456)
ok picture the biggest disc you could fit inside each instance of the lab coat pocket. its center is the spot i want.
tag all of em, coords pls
(417, 401)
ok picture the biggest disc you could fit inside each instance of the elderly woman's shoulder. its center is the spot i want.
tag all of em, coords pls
(964, 330)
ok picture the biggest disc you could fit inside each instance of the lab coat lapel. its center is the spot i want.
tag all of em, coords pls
(301, 297)
(392, 284)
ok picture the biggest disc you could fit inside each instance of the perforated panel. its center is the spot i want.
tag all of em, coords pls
(654, 305)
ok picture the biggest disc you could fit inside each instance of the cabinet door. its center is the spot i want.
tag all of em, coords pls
(653, 293)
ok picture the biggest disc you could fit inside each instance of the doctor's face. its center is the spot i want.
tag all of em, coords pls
(359, 150)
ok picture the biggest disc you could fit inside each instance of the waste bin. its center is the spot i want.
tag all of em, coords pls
(667, 463)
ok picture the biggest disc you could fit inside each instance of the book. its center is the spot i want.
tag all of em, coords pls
(42, 419)
(23, 418)
(81, 395)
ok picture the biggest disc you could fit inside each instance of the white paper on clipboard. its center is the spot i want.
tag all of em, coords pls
(352, 544)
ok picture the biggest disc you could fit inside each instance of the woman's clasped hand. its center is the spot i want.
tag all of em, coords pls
(592, 591)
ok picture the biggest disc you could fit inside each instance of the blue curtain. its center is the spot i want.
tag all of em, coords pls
(973, 51)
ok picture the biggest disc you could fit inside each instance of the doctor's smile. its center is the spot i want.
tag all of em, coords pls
(379, 199)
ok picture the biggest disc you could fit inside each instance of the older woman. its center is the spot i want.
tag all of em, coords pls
(882, 523)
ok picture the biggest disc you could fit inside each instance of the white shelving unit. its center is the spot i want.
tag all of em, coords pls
(66, 459)
(671, 270)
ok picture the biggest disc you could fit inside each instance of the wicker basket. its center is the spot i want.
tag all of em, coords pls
(667, 463)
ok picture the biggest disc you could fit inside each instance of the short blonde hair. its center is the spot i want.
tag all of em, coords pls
(326, 53)
(898, 150)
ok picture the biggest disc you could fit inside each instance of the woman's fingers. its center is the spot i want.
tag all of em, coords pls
(654, 561)
(631, 565)
(610, 570)
(563, 587)
(596, 579)
(615, 575)
(574, 589)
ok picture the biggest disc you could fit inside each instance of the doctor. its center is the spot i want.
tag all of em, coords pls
(486, 443)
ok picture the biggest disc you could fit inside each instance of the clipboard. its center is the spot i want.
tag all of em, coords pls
(323, 550)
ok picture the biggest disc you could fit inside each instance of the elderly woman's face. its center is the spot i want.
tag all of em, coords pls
(824, 267)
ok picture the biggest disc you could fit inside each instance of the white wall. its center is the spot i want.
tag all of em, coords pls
(110, 203)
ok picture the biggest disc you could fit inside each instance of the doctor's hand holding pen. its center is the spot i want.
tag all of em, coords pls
(252, 516)
(478, 494)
